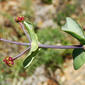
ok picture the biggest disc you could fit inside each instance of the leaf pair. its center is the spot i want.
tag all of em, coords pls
(74, 29)
(34, 45)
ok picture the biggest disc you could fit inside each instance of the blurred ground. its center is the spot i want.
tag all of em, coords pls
(70, 76)
(43, 15)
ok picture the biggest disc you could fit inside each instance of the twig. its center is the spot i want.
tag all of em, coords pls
(60, 47)
(22, 26)
(21, 53)
(13, 42)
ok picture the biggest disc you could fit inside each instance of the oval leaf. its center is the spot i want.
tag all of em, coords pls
(78, 58)
(73, 28)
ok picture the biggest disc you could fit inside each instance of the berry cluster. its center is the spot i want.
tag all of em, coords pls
(9, 61)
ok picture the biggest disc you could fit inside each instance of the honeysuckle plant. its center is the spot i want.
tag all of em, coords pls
(71, 27)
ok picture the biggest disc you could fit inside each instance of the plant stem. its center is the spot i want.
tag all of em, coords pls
(60, 47)
(22, 26)
(13, 42)
(21, 53)
(45, 46)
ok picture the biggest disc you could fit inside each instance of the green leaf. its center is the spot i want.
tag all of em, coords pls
(34, 38)
(78, 58)
(74, 29)
(34, 44)
(29, 59)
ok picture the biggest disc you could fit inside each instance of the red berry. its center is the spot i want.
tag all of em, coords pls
(19, 19)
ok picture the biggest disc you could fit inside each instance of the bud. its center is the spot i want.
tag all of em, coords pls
(9, 61)
(19, 19)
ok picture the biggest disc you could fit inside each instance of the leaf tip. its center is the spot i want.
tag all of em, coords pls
(75, 68)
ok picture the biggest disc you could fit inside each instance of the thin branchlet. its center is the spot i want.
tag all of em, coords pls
(60, 47)
(19, 55)
(13, 42)
(28, 36)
